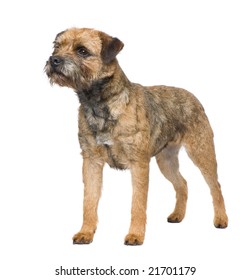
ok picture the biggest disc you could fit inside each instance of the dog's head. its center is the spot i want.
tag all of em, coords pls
(82, 56)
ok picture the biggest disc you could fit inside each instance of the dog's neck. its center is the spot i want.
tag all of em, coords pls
(96, 92)
(104, 101)
(104, 89)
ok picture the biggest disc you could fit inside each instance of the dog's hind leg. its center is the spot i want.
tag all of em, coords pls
(168, 163)
(200, 148)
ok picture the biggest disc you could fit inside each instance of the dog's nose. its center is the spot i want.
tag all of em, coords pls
(55, 60)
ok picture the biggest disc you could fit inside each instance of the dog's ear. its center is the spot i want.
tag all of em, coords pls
(110, 47)
(59, 34)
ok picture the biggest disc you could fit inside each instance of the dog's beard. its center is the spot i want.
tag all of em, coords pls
(67, 74)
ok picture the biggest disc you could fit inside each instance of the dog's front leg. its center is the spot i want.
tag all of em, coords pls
(140, 174)
(92, 178)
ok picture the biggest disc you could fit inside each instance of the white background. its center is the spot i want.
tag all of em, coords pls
(202, 46)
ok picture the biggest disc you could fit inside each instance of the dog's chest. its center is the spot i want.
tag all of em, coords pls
(109, 141)
(104, 139)
(99, 120)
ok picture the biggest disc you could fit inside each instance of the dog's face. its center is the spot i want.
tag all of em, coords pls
(82, 56)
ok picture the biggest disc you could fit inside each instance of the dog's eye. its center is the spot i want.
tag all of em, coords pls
(82, 52)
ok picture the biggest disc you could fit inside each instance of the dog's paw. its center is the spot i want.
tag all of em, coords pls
(83, 238)
(221, 221)
(133, 239)
(175, 218)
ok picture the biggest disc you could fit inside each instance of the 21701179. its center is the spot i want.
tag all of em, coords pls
(168, 270)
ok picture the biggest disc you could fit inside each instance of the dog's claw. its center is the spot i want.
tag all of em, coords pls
(82, 238)
(175, 218)
(133, 240)
(221, 222)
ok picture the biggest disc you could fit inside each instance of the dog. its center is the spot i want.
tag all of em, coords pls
(124, 124)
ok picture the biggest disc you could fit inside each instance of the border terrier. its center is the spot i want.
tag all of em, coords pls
(124, 124)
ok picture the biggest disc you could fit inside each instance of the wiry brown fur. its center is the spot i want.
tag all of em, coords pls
(125, 124)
